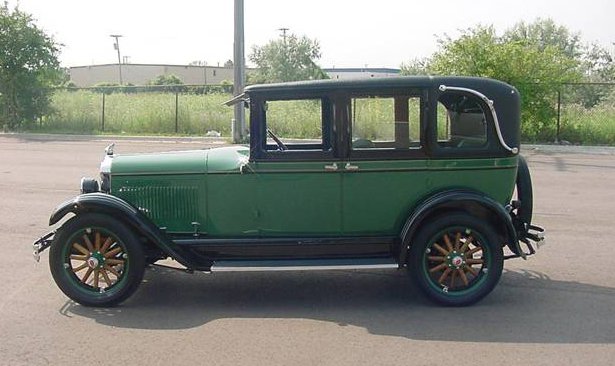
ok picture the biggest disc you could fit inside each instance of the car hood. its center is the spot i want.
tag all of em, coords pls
(223, 159)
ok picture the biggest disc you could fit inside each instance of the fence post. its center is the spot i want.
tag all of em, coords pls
(103, 113)
(176, 111)
(559, 114)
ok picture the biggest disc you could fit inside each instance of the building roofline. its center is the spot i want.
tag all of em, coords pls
(156, 65)
(363, 69)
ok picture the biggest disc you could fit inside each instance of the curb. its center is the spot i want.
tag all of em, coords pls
(114, 138)
(528, 148)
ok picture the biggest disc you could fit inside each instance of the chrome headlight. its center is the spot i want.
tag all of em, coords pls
(89, 185)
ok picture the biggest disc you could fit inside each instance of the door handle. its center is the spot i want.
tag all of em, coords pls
(331, 167)
(351, 167)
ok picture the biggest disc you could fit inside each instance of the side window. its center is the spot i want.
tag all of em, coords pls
(295, 125)
(385, 123)
(461, 121)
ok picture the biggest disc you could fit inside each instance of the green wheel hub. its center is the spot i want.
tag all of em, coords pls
(96, 260)
(456, 260)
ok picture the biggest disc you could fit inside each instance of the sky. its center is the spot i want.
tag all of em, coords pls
(381, 33)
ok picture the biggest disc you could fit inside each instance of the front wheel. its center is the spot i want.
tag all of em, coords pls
(456, 260)
(96, 260)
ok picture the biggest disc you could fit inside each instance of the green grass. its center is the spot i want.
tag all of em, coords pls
(80, 112)
(140, 114)
(295, 118)
(595, 126)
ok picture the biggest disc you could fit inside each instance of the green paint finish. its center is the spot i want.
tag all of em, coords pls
(231, 207)
(267, 200)
(227, 159)
(100, 259)
(182, 162)
(232, 197)
(379, 196)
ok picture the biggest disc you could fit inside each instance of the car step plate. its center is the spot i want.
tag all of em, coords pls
(302, 265)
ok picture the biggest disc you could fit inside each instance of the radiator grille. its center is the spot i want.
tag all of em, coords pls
(174, 207)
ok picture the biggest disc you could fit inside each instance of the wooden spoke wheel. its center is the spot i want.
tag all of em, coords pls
(456, 260)
(96, 260)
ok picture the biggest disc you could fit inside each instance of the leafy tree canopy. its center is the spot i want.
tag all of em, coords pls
(543, 33)
(290, 59)
(480, 52)
(28, 64)
(536, 58)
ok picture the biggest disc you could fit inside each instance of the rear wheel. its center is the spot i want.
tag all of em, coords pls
(96, 260)
(456, 260)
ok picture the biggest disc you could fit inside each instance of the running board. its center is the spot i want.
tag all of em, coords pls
(302, 264)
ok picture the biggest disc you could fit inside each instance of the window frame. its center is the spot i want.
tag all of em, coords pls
(260, 149)
(419, 152)
(489, 149)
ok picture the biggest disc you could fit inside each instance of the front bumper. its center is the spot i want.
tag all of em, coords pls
(41, 244)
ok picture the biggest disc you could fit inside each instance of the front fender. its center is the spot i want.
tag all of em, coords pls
(459, 200)
(112, 205)
(93, 202)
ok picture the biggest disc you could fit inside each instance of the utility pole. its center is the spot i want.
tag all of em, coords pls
(116, 45)
(239, 122)
(283, 30)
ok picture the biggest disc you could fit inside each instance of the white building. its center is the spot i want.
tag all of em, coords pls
(142, 74)
(361, 73)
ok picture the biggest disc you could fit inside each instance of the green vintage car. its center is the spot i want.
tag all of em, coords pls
(416, 173)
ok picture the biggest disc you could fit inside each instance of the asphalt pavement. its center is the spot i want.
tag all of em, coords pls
(557, 308)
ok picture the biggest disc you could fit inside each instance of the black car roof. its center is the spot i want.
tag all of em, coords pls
(478, 83)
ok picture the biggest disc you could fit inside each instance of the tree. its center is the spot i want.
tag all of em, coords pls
(598, 64)
(417, 66)
(28, 64)
(535, 69)
(543, 33)
(288, 59)
(166, 80)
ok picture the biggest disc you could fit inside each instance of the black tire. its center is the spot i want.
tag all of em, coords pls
(96, 260)
(456, 260)
(524, 192)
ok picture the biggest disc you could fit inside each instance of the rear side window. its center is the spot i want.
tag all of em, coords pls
(386, 123)
(461, 121)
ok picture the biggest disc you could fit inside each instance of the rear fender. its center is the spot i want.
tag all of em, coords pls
(469, 202)
(108, 204)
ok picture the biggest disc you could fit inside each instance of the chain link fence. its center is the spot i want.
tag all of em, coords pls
(575, 113)
(586, 113)
(582, 113)
(168, 109)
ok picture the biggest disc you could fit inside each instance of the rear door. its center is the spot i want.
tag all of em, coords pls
(385, 173)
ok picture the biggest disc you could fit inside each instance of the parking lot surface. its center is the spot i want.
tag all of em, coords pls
(557, 308)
